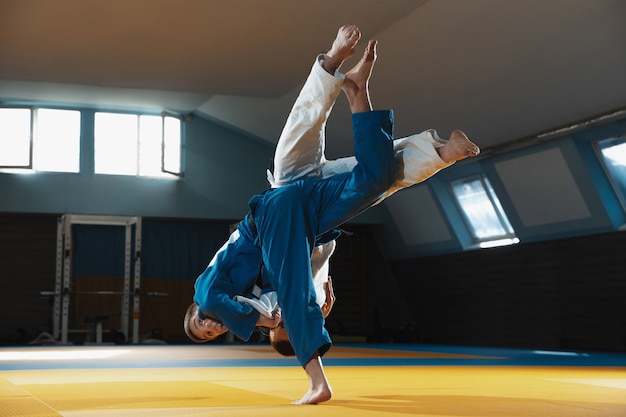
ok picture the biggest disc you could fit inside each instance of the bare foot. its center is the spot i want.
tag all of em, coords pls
(458, 147)
(319, 390)
(343, 48)
(314, 397)
(356, 83)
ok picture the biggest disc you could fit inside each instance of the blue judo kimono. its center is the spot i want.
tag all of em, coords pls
(287, 223)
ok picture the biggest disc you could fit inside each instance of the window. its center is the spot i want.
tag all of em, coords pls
(130, 144)
(40, 139)
(15, 138)
(57, 141)
(172, 145)
(612, 152)
(483, 213)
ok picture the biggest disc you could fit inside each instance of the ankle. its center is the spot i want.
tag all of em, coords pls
(358, 100)
(330, 64)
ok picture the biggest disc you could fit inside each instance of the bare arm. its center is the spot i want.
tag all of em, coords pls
(330, 298)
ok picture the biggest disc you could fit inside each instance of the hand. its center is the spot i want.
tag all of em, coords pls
(330, 297)
(205, 329)
(214, 328)
(270, 322)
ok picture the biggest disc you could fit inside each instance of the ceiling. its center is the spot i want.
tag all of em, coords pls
(503, 71)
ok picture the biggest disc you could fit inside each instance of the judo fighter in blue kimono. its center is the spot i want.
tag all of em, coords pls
(271, 250)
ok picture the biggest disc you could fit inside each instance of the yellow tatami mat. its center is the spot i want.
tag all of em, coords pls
(233, 381)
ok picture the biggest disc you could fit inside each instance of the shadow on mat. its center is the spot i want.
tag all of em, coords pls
(468, 406)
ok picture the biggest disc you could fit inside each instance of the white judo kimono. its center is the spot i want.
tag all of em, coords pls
(300, 153)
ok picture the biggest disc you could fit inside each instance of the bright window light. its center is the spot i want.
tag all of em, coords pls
(116, 143)
(15, 138)
(613, 155)
(172, 145)
(150, 133)
(483, 212)
(499, 242)
(57, 141)
(129, 144)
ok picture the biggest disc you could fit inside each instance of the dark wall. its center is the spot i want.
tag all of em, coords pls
(27, 266)
(560, 294)
(370, 305)
(174, 252)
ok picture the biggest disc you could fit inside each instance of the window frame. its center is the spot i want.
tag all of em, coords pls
(22, 166)
(508, 238)
(620, 195)
(164, 116)
(164, 173)
(30, 139)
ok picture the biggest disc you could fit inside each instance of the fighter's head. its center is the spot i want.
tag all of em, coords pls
(280, 341)
(201, 328)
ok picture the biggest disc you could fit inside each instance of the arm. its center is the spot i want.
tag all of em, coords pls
(330, 298)
(270, 323)
(233, 270)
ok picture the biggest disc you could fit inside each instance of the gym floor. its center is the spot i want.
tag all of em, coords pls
(252, 380)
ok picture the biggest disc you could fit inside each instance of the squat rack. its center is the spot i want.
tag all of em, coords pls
(63, 276)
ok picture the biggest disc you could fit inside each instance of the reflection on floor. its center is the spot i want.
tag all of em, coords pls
(250, 380)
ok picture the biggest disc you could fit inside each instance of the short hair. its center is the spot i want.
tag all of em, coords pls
(282, 346)
(192, 311)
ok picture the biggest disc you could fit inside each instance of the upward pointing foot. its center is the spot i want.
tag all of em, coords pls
(356, 82)
(342, 48)
(362, 71)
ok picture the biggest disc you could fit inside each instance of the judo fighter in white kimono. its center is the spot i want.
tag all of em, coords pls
(272, 247)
